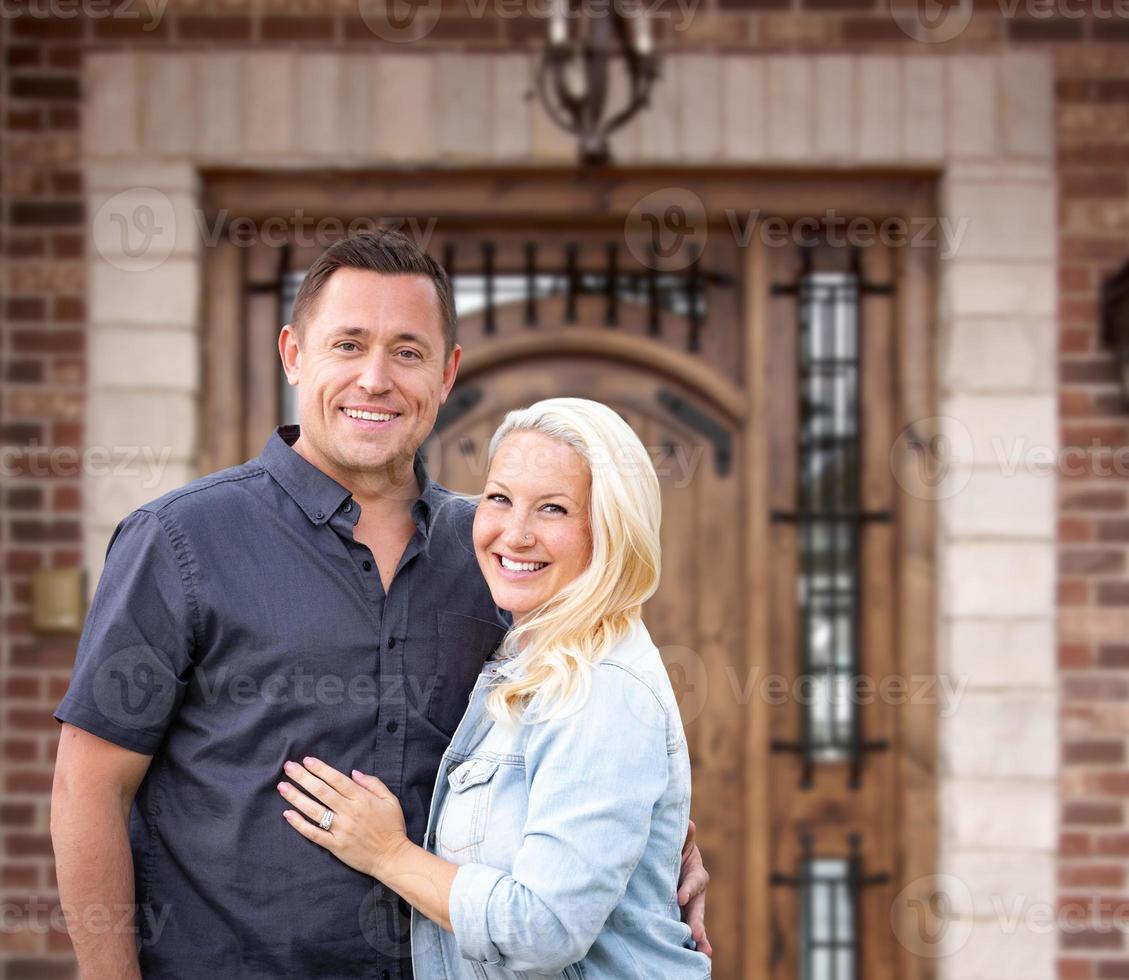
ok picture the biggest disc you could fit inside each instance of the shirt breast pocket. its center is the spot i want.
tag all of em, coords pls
(466, 811)
(465, 643)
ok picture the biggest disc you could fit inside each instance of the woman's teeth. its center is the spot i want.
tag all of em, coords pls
(368, 416)
(522, 566)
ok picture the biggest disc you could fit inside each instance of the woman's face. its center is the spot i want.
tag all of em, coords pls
(531, 533)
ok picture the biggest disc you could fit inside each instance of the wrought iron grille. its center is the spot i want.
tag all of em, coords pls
(481, 287)
(829, 921)
(829, 515)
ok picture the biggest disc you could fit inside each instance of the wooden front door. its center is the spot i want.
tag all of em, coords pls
(769, 382)
(696, 618)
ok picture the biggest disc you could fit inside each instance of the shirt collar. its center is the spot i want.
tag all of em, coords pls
(318, 494)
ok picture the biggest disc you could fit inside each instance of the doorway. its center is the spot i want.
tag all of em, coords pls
(769, 383)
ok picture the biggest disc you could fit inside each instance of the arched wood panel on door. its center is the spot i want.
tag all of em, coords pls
(696, 618)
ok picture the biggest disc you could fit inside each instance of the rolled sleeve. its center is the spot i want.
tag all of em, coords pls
(135, 656)
(469, 911)
(594, 779)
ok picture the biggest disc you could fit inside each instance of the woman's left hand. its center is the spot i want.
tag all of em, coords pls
(368, 823)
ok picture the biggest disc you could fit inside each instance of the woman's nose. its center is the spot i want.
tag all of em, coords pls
(517, 534)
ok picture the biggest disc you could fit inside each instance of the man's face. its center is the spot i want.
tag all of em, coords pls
(370, 368)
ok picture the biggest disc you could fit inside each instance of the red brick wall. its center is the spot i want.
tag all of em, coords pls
(43, 368)
(41, 407)
(1093, 582)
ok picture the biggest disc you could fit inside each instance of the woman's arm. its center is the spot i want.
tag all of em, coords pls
(368, 834)
(594, 778)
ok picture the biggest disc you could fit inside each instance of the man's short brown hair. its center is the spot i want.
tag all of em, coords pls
(387, 252)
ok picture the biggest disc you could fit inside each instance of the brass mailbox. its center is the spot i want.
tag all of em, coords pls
(58, 600)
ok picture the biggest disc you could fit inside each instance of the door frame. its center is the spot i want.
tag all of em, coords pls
(501, 196)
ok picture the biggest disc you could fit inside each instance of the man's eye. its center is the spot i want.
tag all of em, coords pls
(348, 346)
(411, 355)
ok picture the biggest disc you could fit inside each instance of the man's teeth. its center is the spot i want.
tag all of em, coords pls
(522, 566)
(368, 416)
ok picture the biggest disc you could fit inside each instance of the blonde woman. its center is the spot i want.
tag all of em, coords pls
(556, 828)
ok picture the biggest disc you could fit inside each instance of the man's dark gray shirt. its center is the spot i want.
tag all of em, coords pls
(238, 624)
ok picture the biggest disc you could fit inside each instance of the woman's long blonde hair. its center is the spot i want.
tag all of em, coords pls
(555, 648)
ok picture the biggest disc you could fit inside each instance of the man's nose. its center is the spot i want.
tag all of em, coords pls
(374, 376)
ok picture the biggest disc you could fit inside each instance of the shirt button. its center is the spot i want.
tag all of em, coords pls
(348, 506)
(319, 515)
(391, 642)
(366, 565)
(392, 726)
(431, 839)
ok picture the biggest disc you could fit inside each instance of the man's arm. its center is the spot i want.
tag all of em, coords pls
(95, 782)
(692, 891)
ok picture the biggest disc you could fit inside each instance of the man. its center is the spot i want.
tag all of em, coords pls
(322, 599)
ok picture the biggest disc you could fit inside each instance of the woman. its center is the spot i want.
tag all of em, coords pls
(556, 827)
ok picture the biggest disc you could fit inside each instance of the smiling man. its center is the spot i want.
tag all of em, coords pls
(321, 599)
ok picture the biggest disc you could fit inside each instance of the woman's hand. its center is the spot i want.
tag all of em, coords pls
(368, 823)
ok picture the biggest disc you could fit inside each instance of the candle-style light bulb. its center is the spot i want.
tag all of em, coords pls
(558, 29)
(644, 38)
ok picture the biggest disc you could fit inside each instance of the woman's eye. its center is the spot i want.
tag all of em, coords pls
(555, 509)
(497, 498)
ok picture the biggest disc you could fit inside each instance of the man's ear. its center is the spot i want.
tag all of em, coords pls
(450, 370)
(289, 351)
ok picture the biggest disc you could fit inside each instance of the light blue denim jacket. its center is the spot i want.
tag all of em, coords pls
(568, 834)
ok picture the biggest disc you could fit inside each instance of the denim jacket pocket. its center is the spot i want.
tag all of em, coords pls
(462, 823)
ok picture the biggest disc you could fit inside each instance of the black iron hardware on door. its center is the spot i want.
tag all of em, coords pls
(697, 420)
